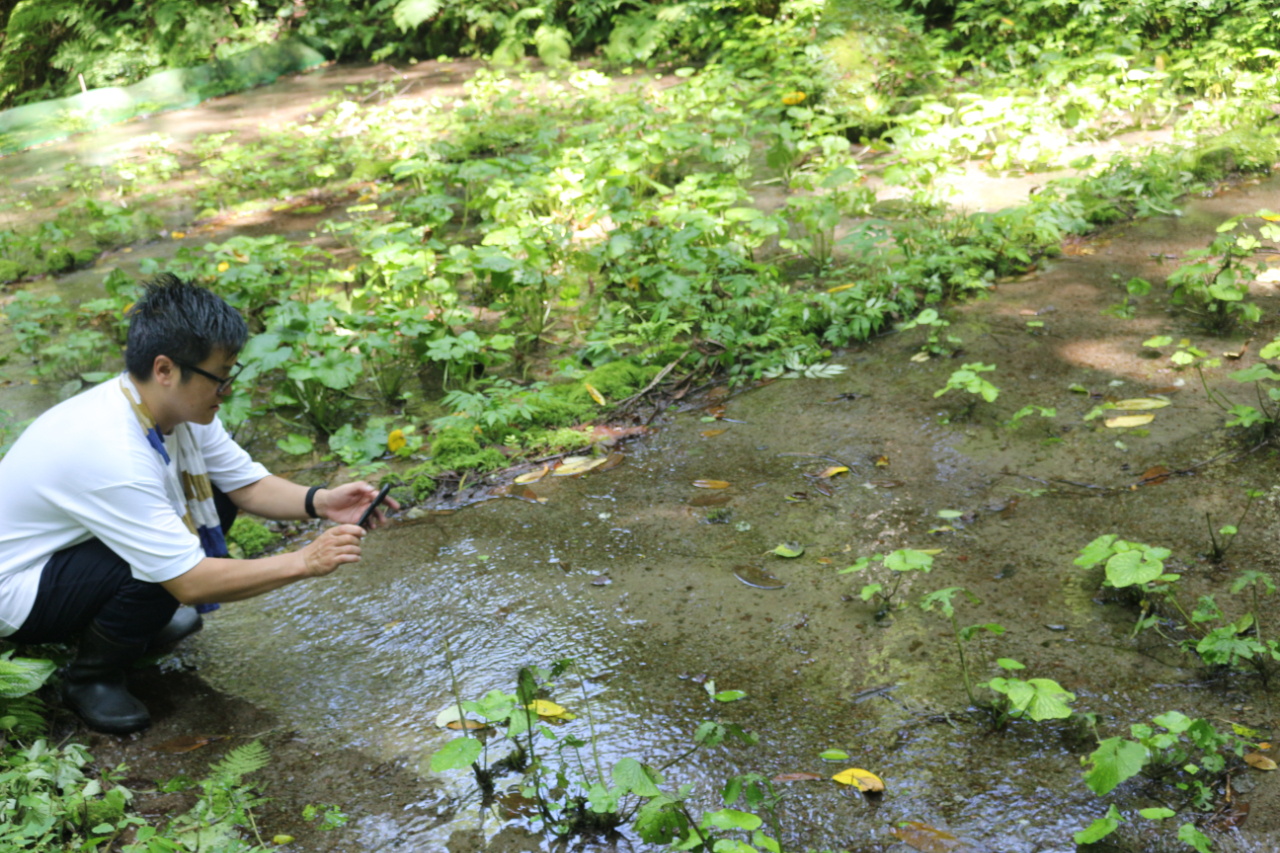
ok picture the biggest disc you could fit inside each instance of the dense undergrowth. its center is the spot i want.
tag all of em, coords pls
(487, 276)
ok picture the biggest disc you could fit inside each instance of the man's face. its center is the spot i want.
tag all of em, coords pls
(197, 399)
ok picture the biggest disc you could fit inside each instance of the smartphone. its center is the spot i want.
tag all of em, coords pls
(368, 513)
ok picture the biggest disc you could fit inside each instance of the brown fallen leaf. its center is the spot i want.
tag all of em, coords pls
(1259, 762)
(472, 725)
(716, 411)
(885, 484)
(1166, 390)
(709, 500)
(613, 460)
(1028, 312)
(799, 777)
(710, 484)
(1244, 348)
(928, 839)
(525, 493)
(712, 433)
(1154, 476)
(718, 393)
(188, 743)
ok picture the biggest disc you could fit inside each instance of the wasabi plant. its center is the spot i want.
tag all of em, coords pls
(898, 564)
(940, 600)
(1038, 698)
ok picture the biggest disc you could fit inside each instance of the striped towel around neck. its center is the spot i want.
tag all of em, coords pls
(186, 480)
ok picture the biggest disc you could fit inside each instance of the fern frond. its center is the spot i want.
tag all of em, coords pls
(26, 716)
(240, 762)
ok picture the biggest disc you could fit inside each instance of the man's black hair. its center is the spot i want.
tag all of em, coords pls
(183, 321)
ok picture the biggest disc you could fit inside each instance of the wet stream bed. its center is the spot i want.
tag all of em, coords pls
(622, 571)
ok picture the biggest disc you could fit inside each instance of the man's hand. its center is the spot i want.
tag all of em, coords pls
(347, 503)
(331, 549)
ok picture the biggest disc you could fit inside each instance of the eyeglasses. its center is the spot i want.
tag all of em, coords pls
(223, 382)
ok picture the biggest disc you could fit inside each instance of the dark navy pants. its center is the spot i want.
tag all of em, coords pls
(89, 582)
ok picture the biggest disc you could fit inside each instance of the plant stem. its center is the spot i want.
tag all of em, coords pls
(964, 665)
(591, 723)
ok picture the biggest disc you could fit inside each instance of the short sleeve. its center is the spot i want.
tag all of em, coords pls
(229, 465)
(137, 522)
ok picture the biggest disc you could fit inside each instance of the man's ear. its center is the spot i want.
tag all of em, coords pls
(164, 371)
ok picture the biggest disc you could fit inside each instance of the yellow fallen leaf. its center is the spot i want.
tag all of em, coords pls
(178, 235)
(793, 98)
(710, 484)
(1129, 421)
(545, 708)
(712, 433)
(920, 357)
(533, 476)
(863, 780)
(832, 471)
(395, 440)
(595, 395)
(1259, 762)
(224, 266)
(1139, 404)
(280, 207)
(1271, 217)
(882, 462)
(933, 552)
(840, 287)
(578, 465)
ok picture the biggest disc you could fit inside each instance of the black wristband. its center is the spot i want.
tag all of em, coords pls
(310, 502)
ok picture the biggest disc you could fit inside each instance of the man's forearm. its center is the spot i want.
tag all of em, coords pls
(272, 497)
(214, 579)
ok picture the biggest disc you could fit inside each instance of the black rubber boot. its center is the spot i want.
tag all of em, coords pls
(185, 622)
(93, 685)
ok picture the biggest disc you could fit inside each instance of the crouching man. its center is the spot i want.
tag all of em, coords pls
(114, 506)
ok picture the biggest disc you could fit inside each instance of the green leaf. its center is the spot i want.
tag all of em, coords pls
(789, 550)
(730, 695)
(1156, 813)
(949, 513)
(1114, 761)
(1041, 698)
(731, 819)
(1099, 829)
(295, 444)
(1158, 341)
(833, 755)
(1096, 551)
(456, 754)
(1188, 834)
(907, 559)
(20, 676)
(1129, 568)
(630, 775)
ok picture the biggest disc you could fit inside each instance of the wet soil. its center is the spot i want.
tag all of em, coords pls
(342, 677)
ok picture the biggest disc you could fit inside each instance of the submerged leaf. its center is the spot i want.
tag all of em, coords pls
(1259, 762)
(863, 780)
(712, 433)
(574, 465)
(928, 839)
(833, 755)
(1140, 404)
(533, 476)
(187, 743)
(789, 550)
(757, 577)
(710, 484)
(730, 695)
(1125, 421)
(832, 471)
(709, 500)
(798, 777)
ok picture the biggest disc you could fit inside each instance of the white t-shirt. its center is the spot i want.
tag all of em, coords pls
(84, 470)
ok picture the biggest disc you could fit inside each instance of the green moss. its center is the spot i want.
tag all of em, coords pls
(564, 405)
(457, 450)
(253, 537)
(619, 379)
(11, 270)
(421, 479)
(59, 260)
